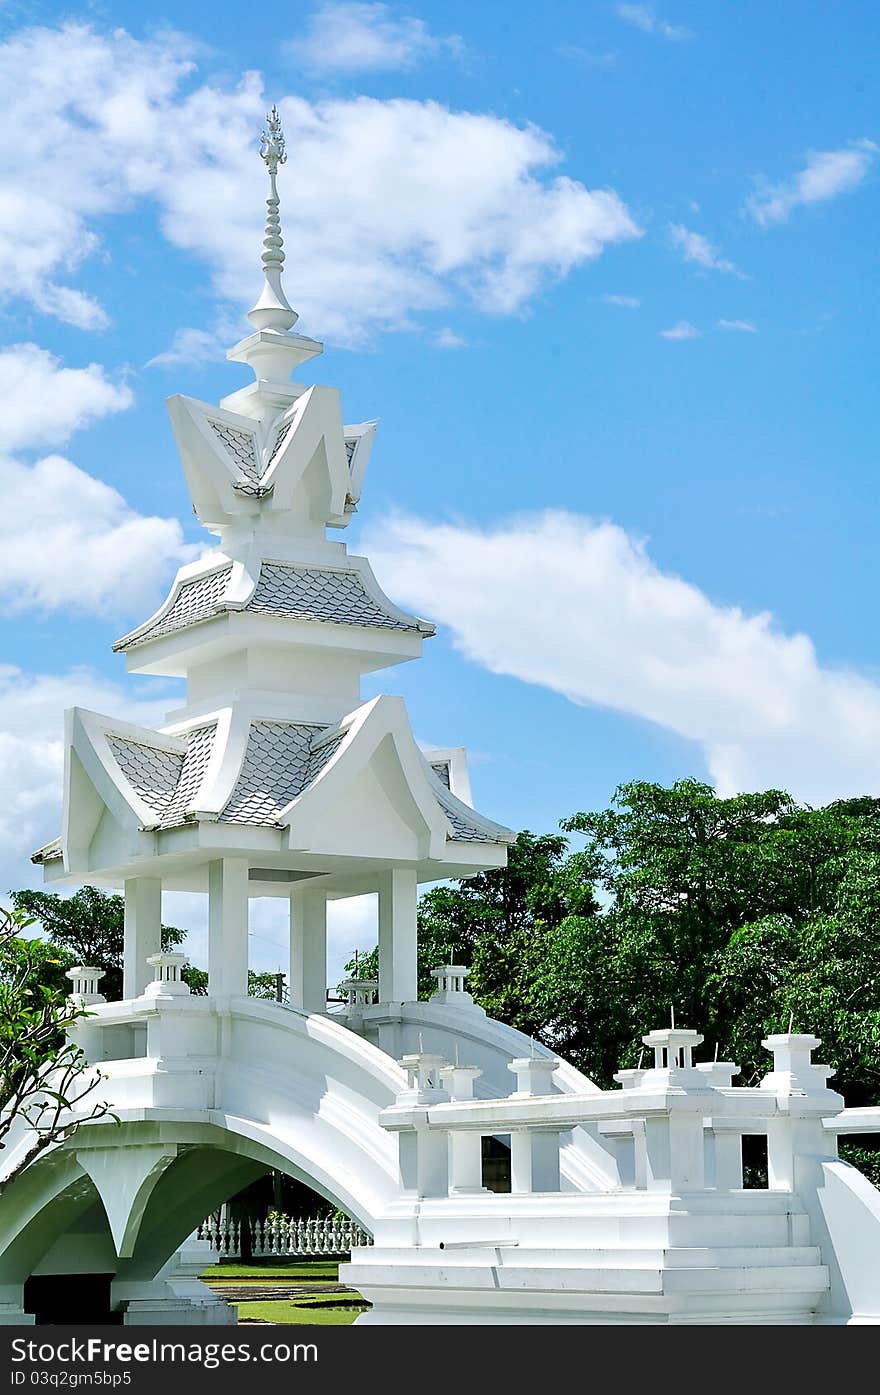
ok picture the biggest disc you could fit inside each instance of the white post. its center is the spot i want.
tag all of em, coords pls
(228, 927)
(167, 981)
(724, 1157)
(308, 949)
(423, 1152)
(451, 990)
(534, 1153)
(143, 932)
(398, 970)
(84, 979)
(797, 1142)
(465, 1145)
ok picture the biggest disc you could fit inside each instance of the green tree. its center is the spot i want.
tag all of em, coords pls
(741, 914)
(495, 923)
(737, 912)
(90, 925)
(43, 1075)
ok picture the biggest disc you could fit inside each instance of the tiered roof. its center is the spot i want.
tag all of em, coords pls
(269, 470)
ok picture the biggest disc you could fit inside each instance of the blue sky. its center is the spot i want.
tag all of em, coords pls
(606, 274)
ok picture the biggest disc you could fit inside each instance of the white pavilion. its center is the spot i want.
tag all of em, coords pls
(274, 778)
(626, 1205)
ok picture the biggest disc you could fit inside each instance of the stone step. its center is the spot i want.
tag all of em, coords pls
(810, 1281)
(694, 1257)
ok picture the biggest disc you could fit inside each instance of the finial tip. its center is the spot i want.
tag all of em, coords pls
(272, 145)
(273, 310)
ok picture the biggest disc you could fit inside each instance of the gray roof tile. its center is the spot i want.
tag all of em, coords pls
(242, 446)
(196, 600)
(464, 830)
(317, 593)
(441, 770)
(166, 781)
(152, 773)
(50, 852)
(278, 765)
(199, 745)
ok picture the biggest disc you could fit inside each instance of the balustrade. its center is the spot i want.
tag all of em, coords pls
(676, 1127)
(283, 1236)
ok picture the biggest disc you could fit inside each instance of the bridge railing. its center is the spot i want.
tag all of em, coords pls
(316, 1235)
(676, 1127)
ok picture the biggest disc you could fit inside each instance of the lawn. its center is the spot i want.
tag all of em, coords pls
(284, 1312)
(313, 1269)
(316, 1309)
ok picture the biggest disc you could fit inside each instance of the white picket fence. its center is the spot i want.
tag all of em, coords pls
(319, 1235)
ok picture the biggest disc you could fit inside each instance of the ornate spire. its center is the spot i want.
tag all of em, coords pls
(272, 310)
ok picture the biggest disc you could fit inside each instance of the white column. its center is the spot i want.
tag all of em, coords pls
(143, 932)
(398, 970)
(674, 1151)
(724, 1157)
(534, 1154)
(465, 1145)
(228, 927)
(308, 949)
(534, 1161)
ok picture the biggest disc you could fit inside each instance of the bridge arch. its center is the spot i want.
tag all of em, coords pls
(213, 1094)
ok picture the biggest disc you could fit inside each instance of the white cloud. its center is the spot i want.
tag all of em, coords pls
(645, 17)
(72, 543)
(189, 346)
(694, 247)
(71, 306)
(825, 174)
(448, 339)
(427, 207)
(352, 37)
(627, 302)
(77, 136)
(32, 754)
(589, 57)
(743, 326)
(579, 607)
(682, 330)
(44, 404)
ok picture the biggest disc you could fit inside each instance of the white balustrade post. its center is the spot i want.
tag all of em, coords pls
(142, 932)
(228, 927)
(308, 949)
(797, 1142)
(674, 1148)
(722, 1142)
(84, 980)
(423, 1152)
(360, 993)
(465, 1145)
(398, 971)
(167, 981)
(534, 1153)
(451, 990)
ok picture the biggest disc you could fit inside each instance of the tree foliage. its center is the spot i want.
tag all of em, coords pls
(43, 1075)
(741, 914)
(90, 925)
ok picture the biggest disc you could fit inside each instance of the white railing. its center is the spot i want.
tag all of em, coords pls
(319, 1235)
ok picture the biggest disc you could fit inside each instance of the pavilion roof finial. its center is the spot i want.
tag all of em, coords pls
(272, 310)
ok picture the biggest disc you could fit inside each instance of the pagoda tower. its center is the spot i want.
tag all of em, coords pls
(274, 778)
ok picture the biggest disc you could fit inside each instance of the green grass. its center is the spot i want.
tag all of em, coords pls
(317, 1269)
(322, 1315)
